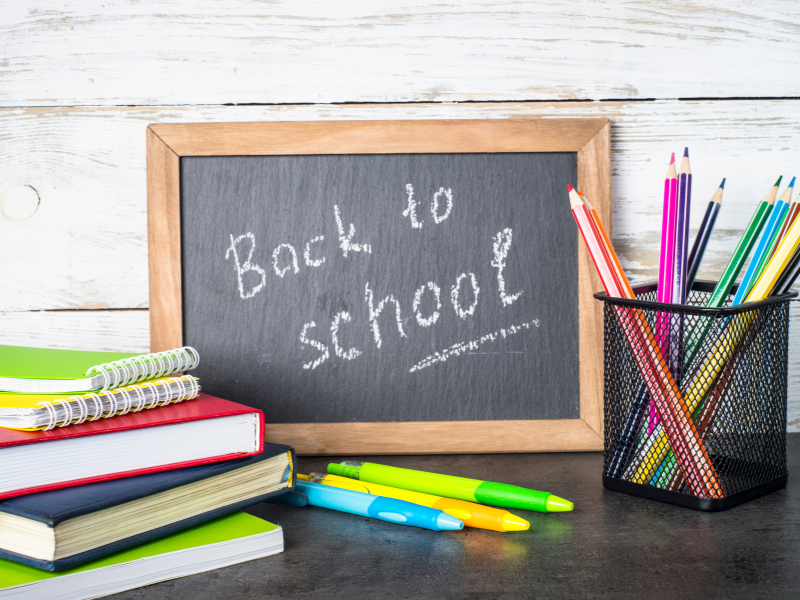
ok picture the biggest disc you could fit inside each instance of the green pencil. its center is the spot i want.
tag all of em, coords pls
(786, 197)
(471, 490)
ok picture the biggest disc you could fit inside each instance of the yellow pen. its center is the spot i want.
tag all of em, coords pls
(471, 513)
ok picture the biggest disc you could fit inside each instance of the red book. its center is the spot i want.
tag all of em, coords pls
(194, 432)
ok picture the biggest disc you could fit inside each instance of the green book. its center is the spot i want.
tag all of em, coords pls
(227, 541)
(52, 371)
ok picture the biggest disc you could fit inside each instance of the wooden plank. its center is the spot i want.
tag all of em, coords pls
(164, 245)
(152, 52)
(377, 137)
(105, 330)
(594, 179)
(569, 435)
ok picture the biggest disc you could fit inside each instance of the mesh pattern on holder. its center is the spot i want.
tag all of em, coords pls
(695, 397)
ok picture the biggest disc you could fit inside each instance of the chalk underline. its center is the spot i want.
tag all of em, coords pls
(462, 347)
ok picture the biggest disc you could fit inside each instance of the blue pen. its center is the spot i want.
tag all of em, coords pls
(377, 507)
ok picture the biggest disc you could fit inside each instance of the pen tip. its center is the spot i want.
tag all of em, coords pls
(791, 185)
(777, 183)
(512, 522)
(722, 185)
(556, 504)
(686, 152)
(672, 159)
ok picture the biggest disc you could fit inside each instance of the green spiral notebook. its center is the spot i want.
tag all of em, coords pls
(227, 541)
(53, 371)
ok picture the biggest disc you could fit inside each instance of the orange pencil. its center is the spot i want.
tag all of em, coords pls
(686, 442)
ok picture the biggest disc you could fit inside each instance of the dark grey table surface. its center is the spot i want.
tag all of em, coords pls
(611, 546)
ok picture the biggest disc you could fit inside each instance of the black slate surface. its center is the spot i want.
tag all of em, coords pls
(611, 546)
(299, 343)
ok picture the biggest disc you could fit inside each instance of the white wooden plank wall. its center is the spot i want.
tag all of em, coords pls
(79, 82)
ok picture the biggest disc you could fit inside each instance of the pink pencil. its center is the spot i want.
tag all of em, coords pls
(666, 267)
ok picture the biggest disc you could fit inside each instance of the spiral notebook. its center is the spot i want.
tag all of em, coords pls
(30, 412)
(51, 371)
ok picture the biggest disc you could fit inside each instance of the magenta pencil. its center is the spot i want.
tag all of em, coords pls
(666, 267)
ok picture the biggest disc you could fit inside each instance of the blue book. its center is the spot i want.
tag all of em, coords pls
(64, 528)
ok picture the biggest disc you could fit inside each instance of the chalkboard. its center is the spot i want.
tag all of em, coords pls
(387, 289)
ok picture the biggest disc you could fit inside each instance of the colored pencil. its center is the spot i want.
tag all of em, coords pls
(790, 273)
(763, 249)
(794, 210)
(670, 477)
(621, 279)
(776, 265)
(786, 199)
(649, 457)
(704, 234)
(666, 268)
(716, 360)
(679, 290)
(630, 429)
(675, 417)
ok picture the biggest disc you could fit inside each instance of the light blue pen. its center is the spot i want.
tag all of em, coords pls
(377, 507)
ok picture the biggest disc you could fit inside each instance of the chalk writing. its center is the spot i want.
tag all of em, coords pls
(345, 242)
(350, 354)
(501, 246)
(427, 321)
(374, 313)
(448, 193)
(307, 253)
(314, 344)
(462, 347)
(411, 210)
(427, 313)
(463, 313)
(242, 268)
(276, 255)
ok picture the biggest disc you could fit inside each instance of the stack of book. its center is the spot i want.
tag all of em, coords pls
(112, 460)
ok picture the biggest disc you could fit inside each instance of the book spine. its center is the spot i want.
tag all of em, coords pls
(147, 366)
(108, 403)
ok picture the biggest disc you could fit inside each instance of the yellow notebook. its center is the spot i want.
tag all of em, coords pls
(45, 411)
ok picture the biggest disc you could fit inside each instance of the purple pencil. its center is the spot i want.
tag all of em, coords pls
(679, 290)
(679, 287)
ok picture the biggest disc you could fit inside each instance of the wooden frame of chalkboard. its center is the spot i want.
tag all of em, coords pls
(588, 138)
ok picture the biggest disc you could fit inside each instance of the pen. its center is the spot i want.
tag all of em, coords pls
(472, 514)
(376, 507)
(471, 490)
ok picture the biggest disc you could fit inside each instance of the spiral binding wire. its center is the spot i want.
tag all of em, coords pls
(127, 371)
(108, 403)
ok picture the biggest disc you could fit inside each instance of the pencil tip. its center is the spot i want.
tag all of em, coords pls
(579, 193)
(686, 152)
(779, 181)
(569, 188)
(791, 185)
(672, 159)
(722, 185)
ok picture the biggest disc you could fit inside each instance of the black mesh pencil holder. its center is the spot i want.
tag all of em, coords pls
(695, 398)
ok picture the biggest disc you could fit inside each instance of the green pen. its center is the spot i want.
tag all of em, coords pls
(471, 490)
